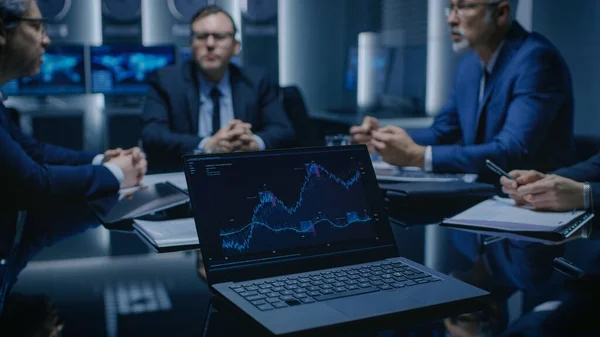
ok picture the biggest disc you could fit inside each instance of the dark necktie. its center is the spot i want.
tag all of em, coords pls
(480, 133)
(216, 118)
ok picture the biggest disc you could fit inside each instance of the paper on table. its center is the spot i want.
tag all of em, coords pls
(504, 213)
(380, 164)
(168, 233)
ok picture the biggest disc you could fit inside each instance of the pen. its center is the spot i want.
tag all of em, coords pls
(567, 267)
(498, 170)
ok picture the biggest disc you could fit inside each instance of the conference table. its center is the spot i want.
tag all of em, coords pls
(153, 294)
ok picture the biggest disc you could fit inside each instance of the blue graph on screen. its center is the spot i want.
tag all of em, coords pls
(326, 210)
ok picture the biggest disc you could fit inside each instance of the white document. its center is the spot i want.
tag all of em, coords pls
(178, 232)
(502, 213)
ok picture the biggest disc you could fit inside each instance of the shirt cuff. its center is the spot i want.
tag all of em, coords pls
(98, 159)
(428, 159)
(203, 143)
(261, 143)
(116, 171)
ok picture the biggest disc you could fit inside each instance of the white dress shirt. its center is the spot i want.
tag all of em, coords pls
(225, 108)
(114, 169)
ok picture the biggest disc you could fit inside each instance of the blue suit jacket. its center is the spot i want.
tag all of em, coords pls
(526, 113)
(36, 176)
(171, 112)
(526, 119)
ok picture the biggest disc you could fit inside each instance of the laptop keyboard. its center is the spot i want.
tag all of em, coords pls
(326, 285)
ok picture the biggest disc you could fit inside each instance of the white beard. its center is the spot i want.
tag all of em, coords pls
(461, 46)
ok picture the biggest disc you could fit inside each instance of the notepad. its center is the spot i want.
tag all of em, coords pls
(169, 233)
(503, 215)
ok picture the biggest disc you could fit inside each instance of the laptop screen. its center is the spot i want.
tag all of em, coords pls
(275, 206)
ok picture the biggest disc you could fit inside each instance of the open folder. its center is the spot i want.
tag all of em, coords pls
(496, 216)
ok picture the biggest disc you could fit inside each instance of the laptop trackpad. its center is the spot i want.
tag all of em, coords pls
(374, 304)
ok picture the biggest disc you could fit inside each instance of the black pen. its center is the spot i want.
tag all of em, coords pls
(498, 170)
(567, 267)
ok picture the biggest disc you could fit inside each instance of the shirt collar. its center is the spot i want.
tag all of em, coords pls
(492, 62)
(206, 85)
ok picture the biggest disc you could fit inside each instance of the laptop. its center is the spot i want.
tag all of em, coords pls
(299, 241)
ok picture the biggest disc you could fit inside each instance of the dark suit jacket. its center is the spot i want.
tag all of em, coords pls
(587, 171)
(171, 112)
(35, 176)
(525, 120)
(525, 117)
(575, 317)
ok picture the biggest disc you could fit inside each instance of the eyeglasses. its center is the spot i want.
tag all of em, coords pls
(39, 24)
(462, 7)
(218, 37)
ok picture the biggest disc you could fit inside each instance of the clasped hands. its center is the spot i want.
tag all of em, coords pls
(544, 192)
(236, 136)
(394, 145)
(131, 161)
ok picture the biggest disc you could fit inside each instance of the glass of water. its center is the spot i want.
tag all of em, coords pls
(338, 140)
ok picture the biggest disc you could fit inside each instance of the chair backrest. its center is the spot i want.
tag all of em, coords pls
(586, 146)
(15, 116)
(308, 131)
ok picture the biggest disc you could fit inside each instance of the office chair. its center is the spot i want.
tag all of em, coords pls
(585, 147)
(14, 116)
(308, 132)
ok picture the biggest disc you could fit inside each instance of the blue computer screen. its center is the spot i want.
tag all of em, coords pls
(123, 70)
(10, 88)
(62, 72)
(381, 64)
(272, 205)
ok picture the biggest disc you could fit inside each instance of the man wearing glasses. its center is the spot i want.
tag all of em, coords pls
(209, 104)
(40, 179)
(511, 102)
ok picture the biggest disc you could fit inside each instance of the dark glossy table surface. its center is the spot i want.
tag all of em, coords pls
(143, 294)
(94, 282)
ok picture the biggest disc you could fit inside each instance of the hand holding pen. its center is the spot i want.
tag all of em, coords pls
(511, 181)
(544, 192)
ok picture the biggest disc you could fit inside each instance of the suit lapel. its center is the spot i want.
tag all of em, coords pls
(238, 94)
(513, 41)
(3, 116)
(472, 98)
(192, 96)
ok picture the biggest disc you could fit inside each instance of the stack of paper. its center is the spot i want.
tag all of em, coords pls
(502, 215)
(169, 233)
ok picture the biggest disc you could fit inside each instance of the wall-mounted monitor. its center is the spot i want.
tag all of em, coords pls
(124, 69)
(62, 73)
(381, 65)
(10, 88)
(185, 54)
